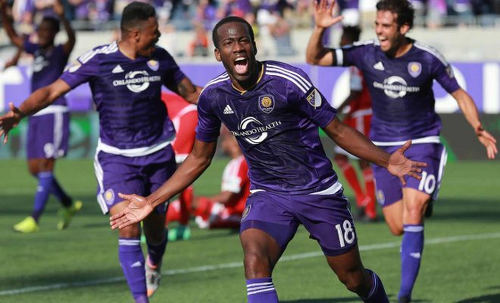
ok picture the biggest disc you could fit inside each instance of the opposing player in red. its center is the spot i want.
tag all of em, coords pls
(185, 117)
(358, 116)
(223, 210)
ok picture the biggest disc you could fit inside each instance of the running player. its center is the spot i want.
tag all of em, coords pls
(134, 151)
(48, 130)
(274, 112)
(400, 72)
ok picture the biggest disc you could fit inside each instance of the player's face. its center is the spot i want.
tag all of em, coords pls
(46, 34)
(237, 51)
(148, 37)
(389, 33)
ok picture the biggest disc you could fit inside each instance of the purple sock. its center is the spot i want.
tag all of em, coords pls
(411, 253)
(261, 291)
(132, 263)
(60, 194)
(42, 193)
(156, 251)
(377, 293)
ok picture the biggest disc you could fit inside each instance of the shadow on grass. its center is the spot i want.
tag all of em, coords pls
(494, 298)
(337, 300)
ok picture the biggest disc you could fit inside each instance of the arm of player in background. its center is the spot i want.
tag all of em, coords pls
(187, 90)
(39, 99)
(139, 207)
(7, 25)
(471, 113)
(13, 61)
(70, 43)
(316, 52)
(357, 144)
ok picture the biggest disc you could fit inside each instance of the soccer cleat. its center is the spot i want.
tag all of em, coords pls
(153, 277)
(67, 213)
(28, 225)
(181, 232)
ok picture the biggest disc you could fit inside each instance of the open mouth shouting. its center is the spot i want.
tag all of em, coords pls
(241, 66)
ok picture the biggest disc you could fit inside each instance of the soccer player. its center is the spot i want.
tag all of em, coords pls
(48, 130)
(358, 116)
(223, 210)
(184, 117)
(274, 112)
(134, 152)
(399, 72)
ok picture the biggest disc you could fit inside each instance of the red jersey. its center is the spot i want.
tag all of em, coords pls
(185, 118)
(235, 179)
(363, 104)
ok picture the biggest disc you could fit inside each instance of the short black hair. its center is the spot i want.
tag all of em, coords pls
(402, 8)
(54, 22)
(228, 19)
(352, 32)
(135, 13)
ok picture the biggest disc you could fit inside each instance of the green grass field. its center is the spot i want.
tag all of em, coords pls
(461, 260)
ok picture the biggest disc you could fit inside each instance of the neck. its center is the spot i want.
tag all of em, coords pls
(403, 47)
(127, 49)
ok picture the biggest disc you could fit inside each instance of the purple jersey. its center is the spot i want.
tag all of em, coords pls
(132, 118)
(48, 65)
(276, 125)
(401, 89)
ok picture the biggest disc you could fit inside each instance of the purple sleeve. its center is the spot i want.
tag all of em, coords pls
(173, 74)
(443, 73)
(29, 47)
(312, 104)
(80, 71)
(348, 55)
(208, 124)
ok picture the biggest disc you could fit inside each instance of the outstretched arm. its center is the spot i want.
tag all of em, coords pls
(139, 207)
(316, 52)
(358, 145)
(70, 43)
(39, 99)
(9, 28)
(470, 111)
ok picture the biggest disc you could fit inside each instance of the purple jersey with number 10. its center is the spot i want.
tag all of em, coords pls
(401, 88)
(127, 95)
(276, 125)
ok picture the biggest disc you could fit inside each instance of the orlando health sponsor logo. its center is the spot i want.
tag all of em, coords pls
(137, 81)
(395, 87)
(253, 130)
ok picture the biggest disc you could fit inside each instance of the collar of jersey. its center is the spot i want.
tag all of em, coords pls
(261, 73)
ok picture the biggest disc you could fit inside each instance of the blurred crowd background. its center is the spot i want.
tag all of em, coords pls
(273, 20)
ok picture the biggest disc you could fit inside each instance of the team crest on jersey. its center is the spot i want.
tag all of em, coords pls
(109, 196)
(314, 98)
(153, 64)
(246, 211)
(266, 103)
(414, 69)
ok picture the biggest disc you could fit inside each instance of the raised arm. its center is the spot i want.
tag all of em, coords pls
(470, 112)
(316, 52)
(13, 61)
(358, 145)
(9, 28)
(70, 43)
(39, 99)
(139, 207)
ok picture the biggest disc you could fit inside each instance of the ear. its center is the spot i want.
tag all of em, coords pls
(403, 29)
(217, 54)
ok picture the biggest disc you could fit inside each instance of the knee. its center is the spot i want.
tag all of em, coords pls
(132, 231)
(353, 280)
(396, 230)
(257, 265)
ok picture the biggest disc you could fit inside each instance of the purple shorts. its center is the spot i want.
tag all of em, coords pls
(138, 175)
(48, 136)
(389, 188)
(326, 217)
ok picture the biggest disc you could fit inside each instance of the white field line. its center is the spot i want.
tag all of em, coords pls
(206, 268)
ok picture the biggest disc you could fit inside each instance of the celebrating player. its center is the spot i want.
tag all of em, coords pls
(48, 130)
(400, 73)
(134, 152)
(274, 112)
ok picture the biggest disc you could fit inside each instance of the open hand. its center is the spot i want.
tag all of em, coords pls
(400, 166)
(323, 13)
(9, 121)
(136, 211)
(489, 142)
